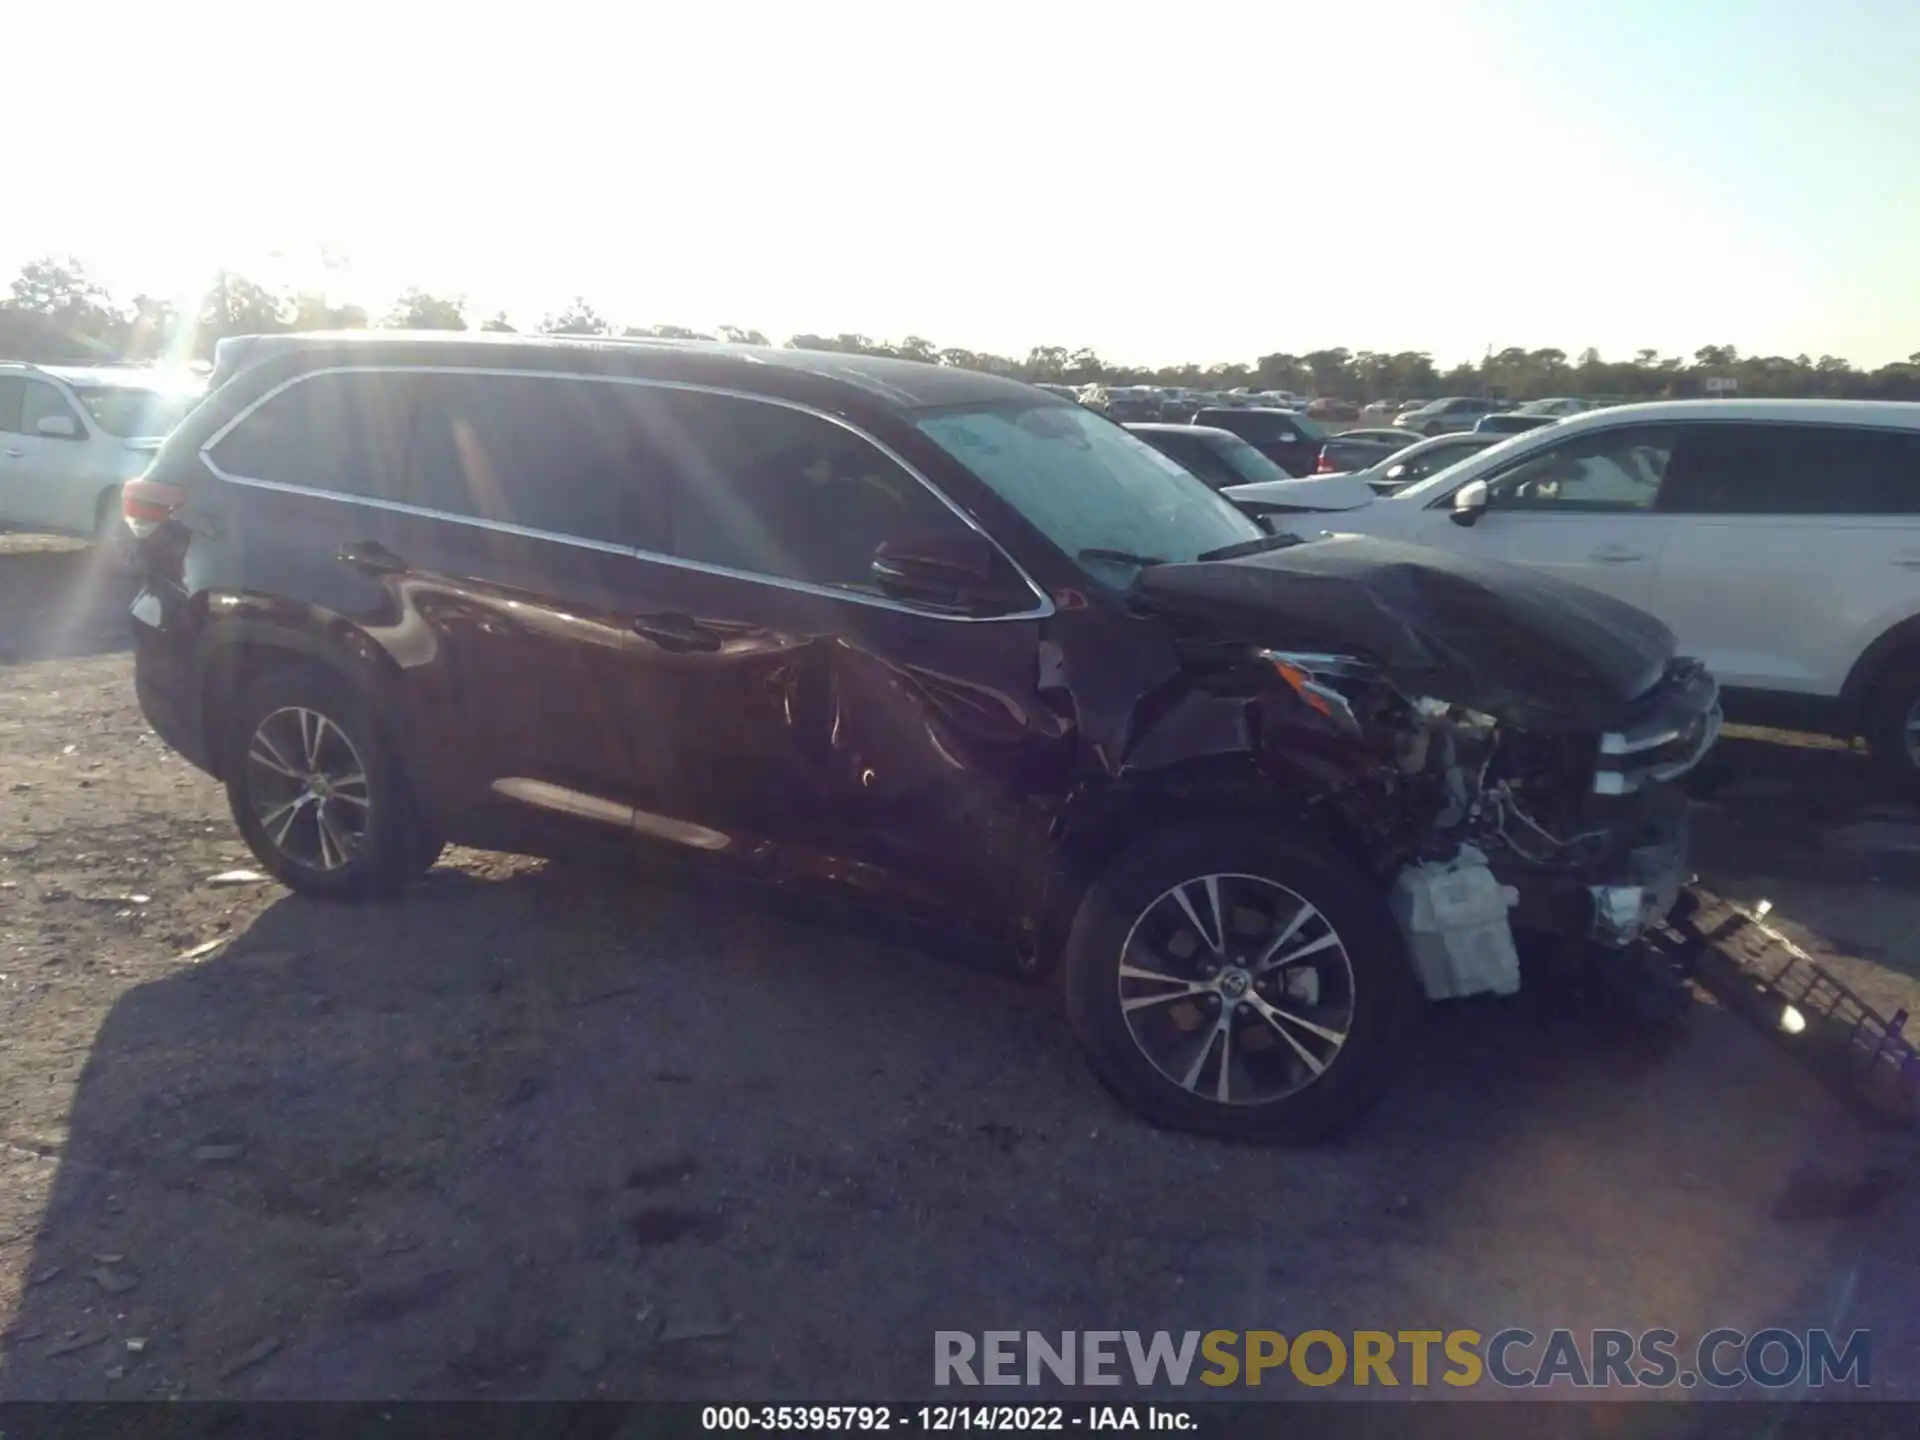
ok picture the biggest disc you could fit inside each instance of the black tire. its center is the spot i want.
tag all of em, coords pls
(374, 841)
(1895, 702)
(1381, 995)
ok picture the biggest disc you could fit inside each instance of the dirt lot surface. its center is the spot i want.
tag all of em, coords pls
(544, 1131)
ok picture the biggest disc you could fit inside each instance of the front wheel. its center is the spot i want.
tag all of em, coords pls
(1228, 982)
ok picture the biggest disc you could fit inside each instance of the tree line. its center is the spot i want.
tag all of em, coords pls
(56, 313)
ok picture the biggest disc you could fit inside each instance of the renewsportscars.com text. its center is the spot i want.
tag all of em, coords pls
(1511, 1358)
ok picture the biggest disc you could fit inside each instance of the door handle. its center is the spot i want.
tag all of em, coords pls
(1908, 562)
(372, 558)
(17, 453)
(676, 633)
(1616, 555)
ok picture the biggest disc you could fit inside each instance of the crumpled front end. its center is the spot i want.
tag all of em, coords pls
(1590, 829)
(1585, 835)
(1521, 733)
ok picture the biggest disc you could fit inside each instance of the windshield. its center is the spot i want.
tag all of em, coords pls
(134, 414)
(1089, 486)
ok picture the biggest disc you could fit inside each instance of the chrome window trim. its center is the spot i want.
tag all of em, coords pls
(1043, 608)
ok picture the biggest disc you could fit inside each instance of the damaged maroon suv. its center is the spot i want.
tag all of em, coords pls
(971, 648)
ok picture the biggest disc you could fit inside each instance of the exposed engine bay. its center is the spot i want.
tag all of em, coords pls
(1561, 836)
(1503, 743)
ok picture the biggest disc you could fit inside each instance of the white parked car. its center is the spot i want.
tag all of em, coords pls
(1780, 539)
(71, 436)
(1560, 405)
(1350, 489)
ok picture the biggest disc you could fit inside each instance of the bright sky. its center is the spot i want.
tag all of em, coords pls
(1206, 183)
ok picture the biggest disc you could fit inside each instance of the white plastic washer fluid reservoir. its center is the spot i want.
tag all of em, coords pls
(1453, 915)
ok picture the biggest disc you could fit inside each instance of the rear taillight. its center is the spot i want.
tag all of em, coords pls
(147, 504)
(1326, 465)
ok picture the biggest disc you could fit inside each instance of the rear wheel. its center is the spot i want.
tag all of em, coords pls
(1893, 723)
(1226, 982)
(317, 792)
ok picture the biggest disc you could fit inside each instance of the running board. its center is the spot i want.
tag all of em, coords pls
(1760, 975)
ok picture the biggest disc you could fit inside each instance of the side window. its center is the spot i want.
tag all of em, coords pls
(40, 401)
(563, 454)
(1739, 469)
(1606, 471)
(773, 491)
(12, 392)
(339, 431)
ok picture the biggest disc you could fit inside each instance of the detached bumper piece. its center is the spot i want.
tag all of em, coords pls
(1766, 979)
(1675, 727)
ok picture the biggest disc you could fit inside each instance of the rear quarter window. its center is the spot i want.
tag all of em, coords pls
(556, 454)
(1789, 469)
(341, 432)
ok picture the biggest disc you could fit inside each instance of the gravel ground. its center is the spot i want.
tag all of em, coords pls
(554, 1131)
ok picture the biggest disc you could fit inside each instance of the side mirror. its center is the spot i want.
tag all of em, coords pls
(57, 427)
(1470, 502)
(1265, 519)
(964, 573)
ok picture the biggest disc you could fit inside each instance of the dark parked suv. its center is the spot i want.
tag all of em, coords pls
(968, 646)
(1285, 437)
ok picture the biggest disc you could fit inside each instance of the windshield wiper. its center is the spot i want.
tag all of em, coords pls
(1121, 557)
(1252, 547)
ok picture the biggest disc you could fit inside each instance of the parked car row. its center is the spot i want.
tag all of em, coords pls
(1292, 445)
(1134, 404)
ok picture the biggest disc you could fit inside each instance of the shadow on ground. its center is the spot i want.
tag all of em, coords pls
(574, 1134)
(58, 600)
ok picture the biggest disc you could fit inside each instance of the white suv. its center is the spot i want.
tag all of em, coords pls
(70, 437)
(1780, 539)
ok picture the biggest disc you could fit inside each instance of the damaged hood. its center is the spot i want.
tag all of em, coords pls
(1533, 650)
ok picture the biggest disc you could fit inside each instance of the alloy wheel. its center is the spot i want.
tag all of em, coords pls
(308, 788)
(1236, 989)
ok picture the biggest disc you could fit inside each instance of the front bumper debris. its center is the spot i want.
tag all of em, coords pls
(1678, 724)
(1766, 979)
(1626, 911)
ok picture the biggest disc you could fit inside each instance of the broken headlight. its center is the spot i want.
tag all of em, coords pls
(1320, 681)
